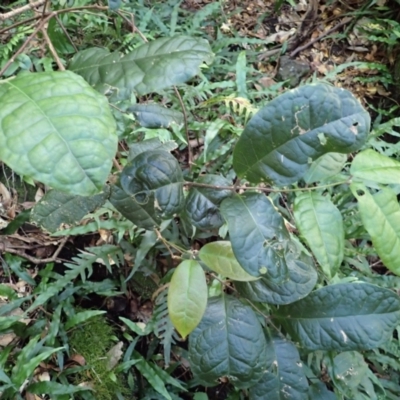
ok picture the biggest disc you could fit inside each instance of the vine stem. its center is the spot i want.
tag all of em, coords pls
(262, 189)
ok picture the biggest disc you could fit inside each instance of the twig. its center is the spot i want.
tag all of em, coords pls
(17, 24)
(22, 9)
(328, 32)
(262, 189)
(53, 50)
(132, 24)
(23, 47)
(66, 33)
(185, 121)
(35, 260)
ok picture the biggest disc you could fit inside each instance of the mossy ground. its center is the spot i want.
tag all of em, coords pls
(92, 341)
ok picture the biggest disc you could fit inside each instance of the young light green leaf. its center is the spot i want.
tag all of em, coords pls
(372, 166)
(300, 281)
(202, 203)
(321, 225)
(158, 172)
(296, 127)
(80, 317)
(285, 377)
(345, 316)
(151, 67)
(229, 341)
(219, 257)
(187, 296)
(69, 140)
(258, 234)
(380, 214)
(325, 167)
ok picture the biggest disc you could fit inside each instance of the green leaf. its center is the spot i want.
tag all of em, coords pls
(142, 214)
(345, 316)
(318, 391)
(301, 279)
(229, 341)
(202, 203)
(258, 234)
(372, 166)
(321, 225)
(325, 167)
(150, 144)
(56, 129)
(380, 215)
(80, 317)
(285, 377)
(151, 375)
(55, 388)
(283, 138)
(149, 68)
(159, 172)
(155, 116)
(114, 4)
(348, 370)
(219, 257)
(187, 296)
(58, 208)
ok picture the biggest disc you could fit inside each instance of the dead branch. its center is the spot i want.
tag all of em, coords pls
(22, 9)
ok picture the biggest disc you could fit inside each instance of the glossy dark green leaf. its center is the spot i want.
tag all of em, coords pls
(285, 377)
(56, 129)
(159, 172)
(380, 214)
(300, 281)
(219, 257)
(258, 234)
(321, 224)
(58, 208)
(229, 341)
(155, 116)
(325, 167)
(283, 138)
(187, 296)
(142, 214)
(149, 68)
(202, 203)
(318, 391)
(345, 316)
(150, 144)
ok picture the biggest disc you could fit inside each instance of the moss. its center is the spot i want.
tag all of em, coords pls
(92, 341)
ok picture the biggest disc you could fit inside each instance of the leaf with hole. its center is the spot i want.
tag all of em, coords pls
(285, 377)
(344, 317)
(142, 214)
(149, 68)
(372, 166)
(187, 296)
(219, 257)
(56, 129)
(300, 281)
(202, 203)
(157, 172)
(283, 138)
(57, 208)
(229, 341)
(258, 234)
(380, 215)
(321, 225)
(155, 116)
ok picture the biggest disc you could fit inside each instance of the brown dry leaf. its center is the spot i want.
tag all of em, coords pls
(114, 355)
(79, 359)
